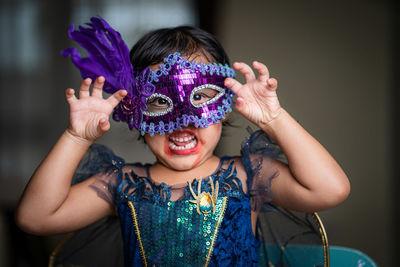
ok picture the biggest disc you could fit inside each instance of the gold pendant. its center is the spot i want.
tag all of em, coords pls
(204, 201)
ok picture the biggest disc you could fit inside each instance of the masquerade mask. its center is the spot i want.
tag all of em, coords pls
(179, 93)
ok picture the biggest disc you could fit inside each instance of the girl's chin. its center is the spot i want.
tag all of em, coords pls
(183, 162)
(182, 165)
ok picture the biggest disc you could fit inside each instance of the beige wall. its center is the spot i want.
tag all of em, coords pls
(332, 64)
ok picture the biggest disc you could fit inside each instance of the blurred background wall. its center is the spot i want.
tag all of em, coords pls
(336, 63)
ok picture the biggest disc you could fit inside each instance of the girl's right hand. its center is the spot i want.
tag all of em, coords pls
(89, 114)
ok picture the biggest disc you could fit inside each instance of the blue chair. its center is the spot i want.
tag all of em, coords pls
(304, 256)
(299, 239)
(342, 257)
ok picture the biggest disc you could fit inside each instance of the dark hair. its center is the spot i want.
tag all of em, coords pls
(153, 47)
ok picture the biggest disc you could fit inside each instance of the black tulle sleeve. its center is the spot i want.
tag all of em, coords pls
(101, 162)
(258, 153)
(287, 238)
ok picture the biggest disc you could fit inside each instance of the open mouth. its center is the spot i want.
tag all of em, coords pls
(182, 142)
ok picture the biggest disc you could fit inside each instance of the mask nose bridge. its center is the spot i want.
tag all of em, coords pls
(182, 104)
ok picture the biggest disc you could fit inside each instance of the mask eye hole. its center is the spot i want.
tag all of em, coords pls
(206, 94)
(157, 105)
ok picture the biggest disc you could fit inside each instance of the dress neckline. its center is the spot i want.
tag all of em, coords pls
(181, 185)
(137, 188)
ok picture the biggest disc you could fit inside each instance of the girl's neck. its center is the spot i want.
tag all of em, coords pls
(160, 173)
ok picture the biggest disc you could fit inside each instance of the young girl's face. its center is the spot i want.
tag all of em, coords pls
(185, 149)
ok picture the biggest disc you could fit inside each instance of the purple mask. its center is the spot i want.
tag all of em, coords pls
(179, 93)
(185, 92)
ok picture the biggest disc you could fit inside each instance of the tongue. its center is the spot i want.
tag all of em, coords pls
(177, 143)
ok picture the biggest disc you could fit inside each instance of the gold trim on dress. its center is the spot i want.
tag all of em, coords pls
(214, 238)
(134, 218)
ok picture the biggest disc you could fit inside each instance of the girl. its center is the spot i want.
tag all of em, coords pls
(189, 207)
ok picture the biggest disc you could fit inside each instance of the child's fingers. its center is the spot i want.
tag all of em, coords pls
(233, 84)
(115, 98)
(241, 106)
(262, 70)
(84, 88)
(70, 95)
(98, 87)
(104, 125)
(239, 103)
(245, 70)
(272, 84)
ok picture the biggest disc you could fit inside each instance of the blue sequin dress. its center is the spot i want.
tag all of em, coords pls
(161, 232)
(165, 225)
(207, 224)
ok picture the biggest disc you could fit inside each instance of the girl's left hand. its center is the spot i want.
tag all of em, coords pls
(257, 99)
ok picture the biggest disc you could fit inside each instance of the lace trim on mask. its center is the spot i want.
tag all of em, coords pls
(185, 120)
(211, 68)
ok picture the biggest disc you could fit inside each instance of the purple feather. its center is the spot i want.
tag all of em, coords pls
(108, 55)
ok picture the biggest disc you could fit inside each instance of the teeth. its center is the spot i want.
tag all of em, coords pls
(187, 146)
(185, 139)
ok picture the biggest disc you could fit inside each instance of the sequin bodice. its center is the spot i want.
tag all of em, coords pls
(206, 222)
(210, 225)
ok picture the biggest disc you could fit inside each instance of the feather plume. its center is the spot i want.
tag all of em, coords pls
(108, 55)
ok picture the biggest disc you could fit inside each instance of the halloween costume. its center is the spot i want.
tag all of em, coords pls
(207, 222)
(161, 227)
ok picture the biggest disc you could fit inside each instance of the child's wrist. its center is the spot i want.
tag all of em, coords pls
(271, 127)
(272, 117)
(77, 139)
